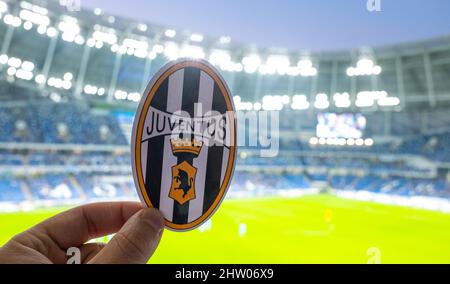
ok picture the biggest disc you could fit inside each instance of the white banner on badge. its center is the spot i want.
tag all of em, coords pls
(210, 128)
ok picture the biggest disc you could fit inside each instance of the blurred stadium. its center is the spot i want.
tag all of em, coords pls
(364, 137)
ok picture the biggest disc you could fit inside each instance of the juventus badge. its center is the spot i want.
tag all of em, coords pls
(184, 143)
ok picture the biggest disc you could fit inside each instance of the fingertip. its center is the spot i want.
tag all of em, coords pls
(154, 216)
(131, 208)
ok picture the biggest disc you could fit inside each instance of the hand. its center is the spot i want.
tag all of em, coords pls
(138, 232)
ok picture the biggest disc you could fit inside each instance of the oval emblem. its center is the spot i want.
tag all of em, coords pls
(184, 143)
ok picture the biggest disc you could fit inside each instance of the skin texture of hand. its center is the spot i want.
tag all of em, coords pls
(138, 232)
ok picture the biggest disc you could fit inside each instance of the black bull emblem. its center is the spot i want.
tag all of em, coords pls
(185, 182)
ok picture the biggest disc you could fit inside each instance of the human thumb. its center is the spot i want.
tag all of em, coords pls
(136, 241)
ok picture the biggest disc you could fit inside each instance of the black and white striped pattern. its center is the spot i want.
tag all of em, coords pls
(180, 91)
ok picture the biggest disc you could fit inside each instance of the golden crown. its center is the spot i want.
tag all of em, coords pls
(186, 145)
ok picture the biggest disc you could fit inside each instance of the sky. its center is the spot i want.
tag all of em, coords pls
(316, 25)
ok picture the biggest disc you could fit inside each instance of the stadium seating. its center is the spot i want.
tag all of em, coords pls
(10, 191)
(40, 112)
(40, 122)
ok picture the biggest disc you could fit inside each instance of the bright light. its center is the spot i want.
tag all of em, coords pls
(341, 141)
(68, 37)
(71, 30)
(3, 59)
(377, 70)
(279, 63)
(350, 141)
(99, 44)
(237, 67)
(220, 58)
(140, 53)
(351, 71)
(68, 76)
(244, 106)
(51, 32)
(64, 83)
(171, 51)
(321, 101)
(11, 71)
(364, 102)
(197, 37)
(132, 47)
(12, 20)
(152, 55)
(134, 97)
(109, 38)
(14, 62)
(342, 100)
(158, 48)
(114, 48)
(224, 39)
(8, 19)
(136, 44)
(314, 141)
(55, 97)
(369, 98)
(67, 85)
(91, 42)
(192, 51)
(40, 79)
(90, 89)
(364, 63)
(35, 18)
(42, 30)
(389, 101)
(170, 33)
(28, 66)
(130, 51)
(142, 27)
(97, 11)
(240, 105)
(272, 103)
(306, 68)
(257, 106)
(28, 25)
(305, 64)
(24, 75)
(364, 67)
(101, 91)
(34, 8)
(299, 102)
(3, 7)
(332, 141)
(120, 95)
(266, 69)
(123, 49)
(368, 142)
(69, 27)
(251, 63)
(359, 142)
(79, 40)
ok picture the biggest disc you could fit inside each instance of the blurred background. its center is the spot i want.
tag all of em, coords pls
(362, 175)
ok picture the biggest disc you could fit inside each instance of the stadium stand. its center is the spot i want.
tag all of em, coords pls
(68, 92)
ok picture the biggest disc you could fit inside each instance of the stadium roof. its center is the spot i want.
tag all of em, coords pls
(103, 56)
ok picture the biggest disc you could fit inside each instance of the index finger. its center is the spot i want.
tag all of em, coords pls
(78, 225)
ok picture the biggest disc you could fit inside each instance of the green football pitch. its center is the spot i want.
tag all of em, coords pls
(310, 229)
